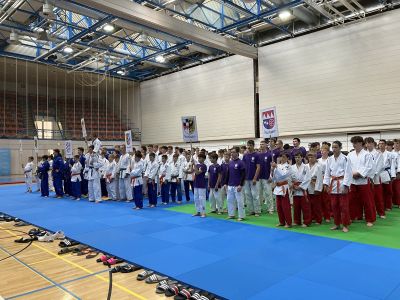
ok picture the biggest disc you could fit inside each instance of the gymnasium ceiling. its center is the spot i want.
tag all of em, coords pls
(143, 39)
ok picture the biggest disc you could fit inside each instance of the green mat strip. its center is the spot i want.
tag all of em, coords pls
(386, 232)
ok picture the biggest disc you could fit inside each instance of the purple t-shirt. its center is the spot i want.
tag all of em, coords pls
(265, 159)
(275, 154)
(236, 167)
(319, 155)
(250, 161)
(224, 171)
(213, 172)
(294, 151)
(200, 179)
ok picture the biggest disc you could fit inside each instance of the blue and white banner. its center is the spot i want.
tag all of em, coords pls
(68, 149)
(269, 122)
(128, 141)
(189, 129)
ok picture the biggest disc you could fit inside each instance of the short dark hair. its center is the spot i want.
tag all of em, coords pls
(214, 155)
(152, 154)
(369, 140)
(284, 153)
(56, 151)
(31, 157)
(314, 144)
(326, 143)
(46, 157)
(81, 149)
(175, 155)
(357, 139)
(297, 139)
(202, 155)
(383, 141)
(138, 154)
(298, 153)
(170, 147)
(237, 149)
(390, 143)
(150, 145)
(250, 142)
(76, 156)
(164, 156)
(92, 147)
(338, 143)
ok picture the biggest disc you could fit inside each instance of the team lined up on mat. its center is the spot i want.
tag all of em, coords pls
(318, 184)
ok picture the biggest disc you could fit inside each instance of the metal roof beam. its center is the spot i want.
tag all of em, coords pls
(128, 10)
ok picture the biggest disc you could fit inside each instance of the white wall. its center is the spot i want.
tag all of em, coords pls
(335, 81)
(219, 94)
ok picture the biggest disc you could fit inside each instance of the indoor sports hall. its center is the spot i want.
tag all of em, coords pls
(200, 149)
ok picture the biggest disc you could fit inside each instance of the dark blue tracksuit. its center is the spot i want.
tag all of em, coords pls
(84, 183)
(58, 175)
(44, 177)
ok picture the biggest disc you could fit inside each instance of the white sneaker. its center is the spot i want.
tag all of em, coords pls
(46, 238)
(59, 235)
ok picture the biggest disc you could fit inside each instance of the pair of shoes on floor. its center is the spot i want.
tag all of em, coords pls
(67, 243)
(48, 237)
(126, 268)
(109, 260)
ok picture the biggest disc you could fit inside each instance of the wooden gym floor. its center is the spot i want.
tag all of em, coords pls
(39, 272)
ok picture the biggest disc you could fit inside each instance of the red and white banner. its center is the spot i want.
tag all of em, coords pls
(269, 122)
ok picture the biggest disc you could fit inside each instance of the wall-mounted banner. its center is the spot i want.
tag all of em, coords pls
(189, 129)
(35, 144)
(68, 149)
(128, 141)
(84, 134)
(269, 122)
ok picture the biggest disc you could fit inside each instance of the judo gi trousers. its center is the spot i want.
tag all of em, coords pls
(28, 182)
(76, 189)
(378, 199)
(283, 209)
(340, 209)
(125, 189)
(252, 193)
(176, 189)
(235, 199)
(152, 193)
(396, 192)
(58, 186)
(111, 189)
(188, 184)
(165, 186)
(387, 195)
(361, 202)
(94, 190)
(266, 192)
(316, 207)
(301, 206)
(200, 200)
(215, 199)
(138, 195)
(326, 205)
(44, 188)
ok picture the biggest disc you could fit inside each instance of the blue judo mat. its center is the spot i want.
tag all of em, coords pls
(232, 260)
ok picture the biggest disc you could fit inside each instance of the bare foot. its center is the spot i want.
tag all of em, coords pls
(278, 225)
(369, 224)
(345, 229)
(240, 219)
(288, 226)
(203, 216)
(304, 225)
(382, 217)
(256, 215)
(335, 227)
(327, 221)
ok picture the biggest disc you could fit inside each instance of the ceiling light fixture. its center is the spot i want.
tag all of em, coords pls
(284, 15)
(108, 28)
(160, 59)
(68, 50)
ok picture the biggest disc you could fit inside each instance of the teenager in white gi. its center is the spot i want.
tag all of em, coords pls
(28, 173)
(125, 188)
(94, 166)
